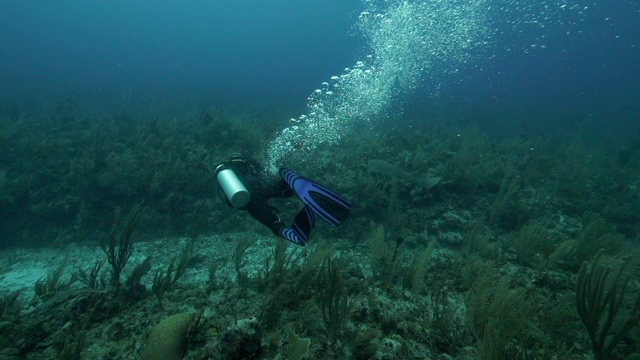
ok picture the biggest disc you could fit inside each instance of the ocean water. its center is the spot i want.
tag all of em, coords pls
(547, 57)
(534, 63)
(524, 115)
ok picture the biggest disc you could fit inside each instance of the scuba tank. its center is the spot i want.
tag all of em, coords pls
(235, 192)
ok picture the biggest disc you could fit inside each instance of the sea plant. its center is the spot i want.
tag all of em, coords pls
(119, 246)
(529, 240)
(445, 326)
(508, 189)
(242, 244)
(53, 282)
(476, 242)
(472, 161)
(596, 234)
(385, 256)
(163, 280)
(414, 276)
(72, 350)
(11, 304)
(213, 268)
(93, 279)
(309, 269)
(331, 298)
(498, 316)
(276, 266)
(602, 305)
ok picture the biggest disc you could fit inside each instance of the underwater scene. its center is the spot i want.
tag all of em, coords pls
(338, 179)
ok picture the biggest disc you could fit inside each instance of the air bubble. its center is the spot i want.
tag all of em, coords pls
(407, 40)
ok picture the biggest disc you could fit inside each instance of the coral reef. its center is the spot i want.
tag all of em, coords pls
(527, 248)
(168, 339)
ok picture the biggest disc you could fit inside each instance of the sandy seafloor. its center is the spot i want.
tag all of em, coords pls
(21, 268)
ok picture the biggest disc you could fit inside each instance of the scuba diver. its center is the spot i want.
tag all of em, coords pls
(244, 184)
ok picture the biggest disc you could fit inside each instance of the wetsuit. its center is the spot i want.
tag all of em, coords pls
(261, 189)
(319, 200)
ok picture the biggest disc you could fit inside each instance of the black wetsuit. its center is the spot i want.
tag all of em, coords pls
(254, 178)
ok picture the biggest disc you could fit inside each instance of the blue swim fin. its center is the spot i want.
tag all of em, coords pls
(290, 235)
(300, 230)
(326, 203)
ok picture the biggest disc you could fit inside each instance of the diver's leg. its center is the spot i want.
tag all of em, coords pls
(299, 231)
(264, 213)
(278, 189)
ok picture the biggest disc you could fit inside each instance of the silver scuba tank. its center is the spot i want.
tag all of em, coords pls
(232, 187)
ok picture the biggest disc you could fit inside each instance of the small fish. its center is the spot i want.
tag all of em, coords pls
(383, 167)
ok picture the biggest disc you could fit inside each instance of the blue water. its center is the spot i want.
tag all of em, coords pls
(551, 59)
(588, 65)
(172, 50)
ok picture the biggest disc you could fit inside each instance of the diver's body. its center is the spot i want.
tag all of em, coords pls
(261, 189)
(248, 176)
